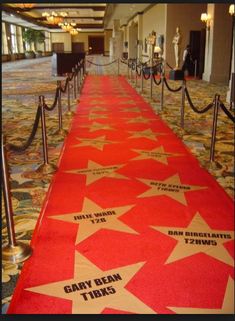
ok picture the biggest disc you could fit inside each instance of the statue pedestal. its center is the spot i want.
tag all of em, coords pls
(176, 75)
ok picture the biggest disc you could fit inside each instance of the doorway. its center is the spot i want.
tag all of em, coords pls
(58, 47)
(96, 45)
(78, 47)
(197, 42)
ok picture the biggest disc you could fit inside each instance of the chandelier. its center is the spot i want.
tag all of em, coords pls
(25, 5)
(67, 26)
(73, 32)
(54, 17)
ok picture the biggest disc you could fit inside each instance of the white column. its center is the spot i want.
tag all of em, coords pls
(218, 44)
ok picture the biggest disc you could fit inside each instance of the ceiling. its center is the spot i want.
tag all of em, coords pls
(87, 16)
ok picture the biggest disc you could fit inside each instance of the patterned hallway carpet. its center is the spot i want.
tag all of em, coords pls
(29, 191)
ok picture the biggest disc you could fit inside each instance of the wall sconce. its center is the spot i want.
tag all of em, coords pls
(206, 17)
(231, 9)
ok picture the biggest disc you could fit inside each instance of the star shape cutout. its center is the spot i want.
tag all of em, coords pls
(157, 154)
(226, 308)
(97, 126)
(205, 240)
(95, 171)
(96, 116)
(132, 109)
(91, 290)
(129, 102)
(98, 109)
(171, 187)
(139, 120)
(97, 142)
(98, 102)
(92, 218)
(148, 133)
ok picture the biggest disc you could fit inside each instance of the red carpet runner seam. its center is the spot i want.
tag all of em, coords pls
(131, 222)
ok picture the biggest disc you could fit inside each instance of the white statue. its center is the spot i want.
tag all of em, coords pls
(176, 42)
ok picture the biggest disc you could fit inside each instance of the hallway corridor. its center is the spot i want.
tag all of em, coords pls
(131, 222)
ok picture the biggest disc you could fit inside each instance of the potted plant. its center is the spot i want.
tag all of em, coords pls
(29, 54)
(38, 53)
(32, 36)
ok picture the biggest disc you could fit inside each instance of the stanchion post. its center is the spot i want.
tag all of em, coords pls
(162, 88)
(131, 72)
(151, 82)
(118, 66)
(15, 252)
(142, 78)
(79, 77)
(214, 127)
(136, 75)
(182, 104)
(69, 112)
(60, 130)
(44, 168)
(128, 75)
(74, 83)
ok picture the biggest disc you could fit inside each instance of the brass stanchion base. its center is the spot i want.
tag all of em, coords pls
(16, 254)
(46, 169)
(62, 132)
(213, 166)
(69, 113)
(181, 132)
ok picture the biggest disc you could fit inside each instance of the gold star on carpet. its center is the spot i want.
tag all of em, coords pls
(133, 109)
(96, 116)
(91, 290)
(97, 126)
(129, 102)
(92, 218)
(227, 306)
(148, 133)
(157, 154)
(139, 120)
(97, 142)
(96, 171)
(198, 237)
(171, 187)
(98, 102)
(98, 109)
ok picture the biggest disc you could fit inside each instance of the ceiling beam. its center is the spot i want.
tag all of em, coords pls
(95, 8)
(77, 17)
(22, 16)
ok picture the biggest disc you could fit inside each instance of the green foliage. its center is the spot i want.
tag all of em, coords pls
(33, 36)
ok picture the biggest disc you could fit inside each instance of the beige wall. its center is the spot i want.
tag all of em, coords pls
(154, 19)
(64, 37)
(83, 37)
(107, 36)
(187, 18)
(218, 45)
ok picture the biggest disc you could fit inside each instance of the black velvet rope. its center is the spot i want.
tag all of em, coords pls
(22, 148)
(101, 65)
(146, 76)
(169, 88)
(63, 89)
(155, 81)
(196, 110)
(55, 100)
(227, 112)
(169, 65)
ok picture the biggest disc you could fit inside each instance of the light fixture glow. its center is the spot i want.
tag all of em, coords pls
(231, 9)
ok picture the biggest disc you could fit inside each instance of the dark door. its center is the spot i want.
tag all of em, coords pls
(197, 43)
(78, 47)
(58, 47)
(96, 44)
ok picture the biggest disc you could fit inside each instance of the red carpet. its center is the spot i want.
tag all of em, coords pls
(132, 223)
